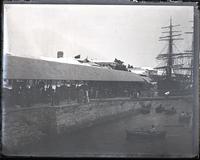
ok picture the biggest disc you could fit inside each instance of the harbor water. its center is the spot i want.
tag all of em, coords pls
(109, 138)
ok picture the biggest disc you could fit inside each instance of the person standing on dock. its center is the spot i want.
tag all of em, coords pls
(87, 96)
(138, 94)
(87, 99)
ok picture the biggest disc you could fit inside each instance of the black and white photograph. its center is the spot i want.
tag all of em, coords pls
(100, 80)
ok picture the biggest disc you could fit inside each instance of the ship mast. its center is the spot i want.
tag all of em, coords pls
(176, 65)
(171, 37)
(191, 51)
(169, 62)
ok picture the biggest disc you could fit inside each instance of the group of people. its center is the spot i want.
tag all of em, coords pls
(30, 92)
(25, 94)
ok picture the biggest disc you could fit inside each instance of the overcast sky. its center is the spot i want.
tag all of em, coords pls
(102, 32)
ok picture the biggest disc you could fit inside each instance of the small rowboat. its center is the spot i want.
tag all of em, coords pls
(144, 110)
(170, 111)
(160, 109)
(184, 118)
(145, 134)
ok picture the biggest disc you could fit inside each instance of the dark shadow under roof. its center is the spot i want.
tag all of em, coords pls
(26, 68)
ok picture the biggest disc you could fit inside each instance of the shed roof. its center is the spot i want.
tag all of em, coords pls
(27, 68)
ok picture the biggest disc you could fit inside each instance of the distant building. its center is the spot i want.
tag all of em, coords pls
(107, 64)
(144, 71)
(60, 54)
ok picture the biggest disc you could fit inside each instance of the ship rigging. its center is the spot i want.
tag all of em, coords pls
(176, 66)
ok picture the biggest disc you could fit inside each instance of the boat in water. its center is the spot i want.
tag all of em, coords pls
(170, 111)
(145, 134)
(160, 109)
(185, 118)
(145, 109)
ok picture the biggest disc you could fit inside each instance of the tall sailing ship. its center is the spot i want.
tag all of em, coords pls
(176, 67)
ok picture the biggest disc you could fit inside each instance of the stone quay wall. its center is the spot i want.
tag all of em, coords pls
(81, 116)
(25, 126)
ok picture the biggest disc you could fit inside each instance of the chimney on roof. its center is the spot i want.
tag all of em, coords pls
(60, 54)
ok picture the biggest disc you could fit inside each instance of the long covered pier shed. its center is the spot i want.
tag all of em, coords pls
(27, 81)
